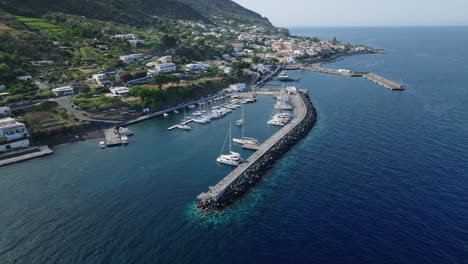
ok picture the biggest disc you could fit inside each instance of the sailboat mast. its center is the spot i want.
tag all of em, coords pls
(230, 140)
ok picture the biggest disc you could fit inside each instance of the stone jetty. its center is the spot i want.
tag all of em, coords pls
(247, 174)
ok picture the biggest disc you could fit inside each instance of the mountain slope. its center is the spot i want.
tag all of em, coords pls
(135, 12)
(226, 8)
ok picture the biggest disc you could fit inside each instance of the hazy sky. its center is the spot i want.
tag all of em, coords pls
(361, 12)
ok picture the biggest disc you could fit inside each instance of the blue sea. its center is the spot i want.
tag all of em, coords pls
(381, 178)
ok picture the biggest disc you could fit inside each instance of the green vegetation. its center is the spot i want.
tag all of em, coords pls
(21, 87)
(163, 78)
(48, 119)
(99, 104)
(157, 97)
(141, 12)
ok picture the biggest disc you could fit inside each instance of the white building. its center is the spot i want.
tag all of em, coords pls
(24, 78)
(239, 87)
(2, 87)
(196, 67)
(128, 59)
(166, 67)
(39, 63)
(152, 72)
(5, 111)
(102, 79)
(13, 134)
(120, 91)
(135, 42)
(165, 59)
(127, 36)
(63, 91)
(291, 90)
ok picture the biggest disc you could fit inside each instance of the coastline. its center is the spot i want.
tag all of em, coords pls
(96, 131)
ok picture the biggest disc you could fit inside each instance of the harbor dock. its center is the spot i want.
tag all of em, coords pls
(266, 154)
(251, 147)
(389, 84)
(183, 123)
(112, 137)
(24, 154)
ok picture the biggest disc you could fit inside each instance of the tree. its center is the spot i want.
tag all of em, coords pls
(256, 59)
(163, 78)
(169, 41)
(315, 39)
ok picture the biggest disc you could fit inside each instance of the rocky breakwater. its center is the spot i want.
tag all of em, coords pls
(243, 177)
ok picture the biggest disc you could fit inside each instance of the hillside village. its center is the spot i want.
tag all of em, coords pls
(109, 71)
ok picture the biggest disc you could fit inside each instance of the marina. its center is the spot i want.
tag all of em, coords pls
(263, 158)
(213, 111)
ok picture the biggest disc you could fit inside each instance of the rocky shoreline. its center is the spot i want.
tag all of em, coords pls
(255, 172)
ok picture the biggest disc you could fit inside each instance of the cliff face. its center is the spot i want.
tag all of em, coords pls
(136, 12)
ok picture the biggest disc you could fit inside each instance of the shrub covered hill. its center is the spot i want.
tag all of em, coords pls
(136, 12)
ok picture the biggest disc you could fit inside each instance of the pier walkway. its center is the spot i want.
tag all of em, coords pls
(389, 84)
(300, 111)
(112, 137)
(24, 154)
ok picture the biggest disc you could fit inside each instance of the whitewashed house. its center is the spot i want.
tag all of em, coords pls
(129, 59)
(120, 91)
(63, 91)
(152, 72)
(166, 67)
(196, 67)
(127, 36)
(238, 87)
(13, 134)
(165, 59)
(24, 78)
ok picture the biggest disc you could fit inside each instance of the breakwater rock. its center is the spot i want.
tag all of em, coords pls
(260, 166)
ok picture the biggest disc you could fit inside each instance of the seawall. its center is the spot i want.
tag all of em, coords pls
(247, 174)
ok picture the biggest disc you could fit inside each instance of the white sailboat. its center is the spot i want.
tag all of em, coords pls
(184, 127)
(245, 140)
(233, 158)
(165, 114)
(240, 122)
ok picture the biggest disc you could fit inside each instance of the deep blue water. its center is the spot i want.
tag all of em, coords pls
(382, 177)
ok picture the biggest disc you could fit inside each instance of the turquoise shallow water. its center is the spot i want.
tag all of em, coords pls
(382, 178)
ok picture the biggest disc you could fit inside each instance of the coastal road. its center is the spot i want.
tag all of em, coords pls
(67, 105)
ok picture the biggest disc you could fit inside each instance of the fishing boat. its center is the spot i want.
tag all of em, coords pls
(233, 158)
(102, 144)
(124, 139)
(125, 131)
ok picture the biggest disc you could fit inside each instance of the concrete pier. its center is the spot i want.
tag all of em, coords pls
(112, 137)
(24, 154)
(246, 174)
(389, 84)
